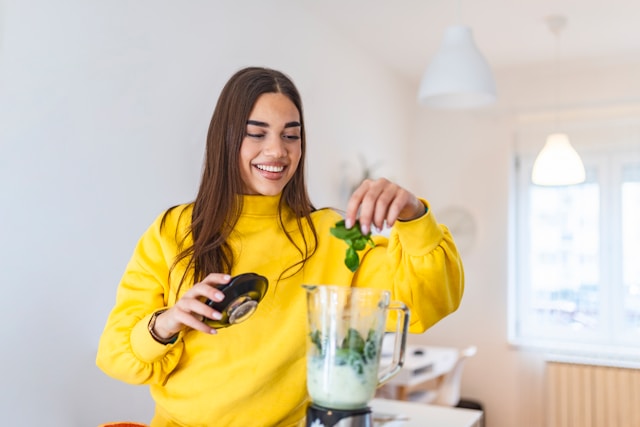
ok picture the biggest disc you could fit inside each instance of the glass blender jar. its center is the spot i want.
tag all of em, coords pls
(346, 328)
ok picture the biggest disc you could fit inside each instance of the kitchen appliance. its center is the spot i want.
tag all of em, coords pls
(346, 328)
(241, 297)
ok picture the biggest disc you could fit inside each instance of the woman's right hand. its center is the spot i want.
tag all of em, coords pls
(190, 310)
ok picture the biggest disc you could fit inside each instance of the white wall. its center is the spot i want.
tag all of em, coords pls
(104, 107)
(466, 159)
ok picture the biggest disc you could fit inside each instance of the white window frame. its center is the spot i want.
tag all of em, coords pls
(591, 138)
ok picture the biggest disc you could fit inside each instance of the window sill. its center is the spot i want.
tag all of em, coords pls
(583, 354)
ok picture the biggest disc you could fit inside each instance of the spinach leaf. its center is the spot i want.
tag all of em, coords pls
(316, 339)
(354, 350)
(355, 240)
(353, 341)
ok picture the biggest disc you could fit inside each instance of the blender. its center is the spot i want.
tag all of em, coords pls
(346, 328)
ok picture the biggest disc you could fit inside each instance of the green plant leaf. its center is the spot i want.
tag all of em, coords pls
(316, 338)
(353, 341)
(355, 240)
(354, 350)
(340, 231)
(351, 260)
(359, 244)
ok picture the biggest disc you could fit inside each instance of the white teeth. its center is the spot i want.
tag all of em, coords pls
(270, 168)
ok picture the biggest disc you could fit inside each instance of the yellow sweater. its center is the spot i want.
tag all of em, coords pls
(254, 373)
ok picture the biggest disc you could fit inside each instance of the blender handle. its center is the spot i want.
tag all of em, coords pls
(402, 326)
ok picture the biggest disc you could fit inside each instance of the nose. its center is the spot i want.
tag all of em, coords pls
(275, 147)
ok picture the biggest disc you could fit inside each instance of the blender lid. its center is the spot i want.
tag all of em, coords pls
(241, 297)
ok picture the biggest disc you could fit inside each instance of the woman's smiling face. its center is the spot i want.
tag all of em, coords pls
(272, 147)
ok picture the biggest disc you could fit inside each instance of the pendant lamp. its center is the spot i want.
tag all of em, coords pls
(458, 77)
(558, 163)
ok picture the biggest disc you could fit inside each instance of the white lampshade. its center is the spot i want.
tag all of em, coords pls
(558, 163)
(458, 76)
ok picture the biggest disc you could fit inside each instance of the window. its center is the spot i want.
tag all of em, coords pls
(576, 281)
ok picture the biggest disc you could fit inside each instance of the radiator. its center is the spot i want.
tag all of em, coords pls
(591, 396)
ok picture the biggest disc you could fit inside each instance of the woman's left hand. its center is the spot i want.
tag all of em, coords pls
(379, 201)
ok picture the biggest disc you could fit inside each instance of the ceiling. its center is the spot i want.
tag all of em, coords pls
(405, 34)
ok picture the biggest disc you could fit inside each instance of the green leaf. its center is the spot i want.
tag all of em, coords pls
(352, 261)
(354, 351)
(347, 356)
(357, 362)
(359, 244)
(370, 351)
(341, 232)
(316, 338)
(353, 341)
(371, 346)
(342, 356)
(355, 240)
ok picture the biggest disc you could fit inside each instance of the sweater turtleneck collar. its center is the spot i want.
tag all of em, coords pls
(258, 205)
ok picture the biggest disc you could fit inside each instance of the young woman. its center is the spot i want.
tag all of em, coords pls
(253, 214)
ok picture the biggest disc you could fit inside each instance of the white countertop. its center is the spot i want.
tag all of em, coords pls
(410, 414)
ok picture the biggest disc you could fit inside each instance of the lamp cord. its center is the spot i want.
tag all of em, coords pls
(556, 24)
(556, 81)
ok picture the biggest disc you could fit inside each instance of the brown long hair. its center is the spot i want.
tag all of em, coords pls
(217, 206)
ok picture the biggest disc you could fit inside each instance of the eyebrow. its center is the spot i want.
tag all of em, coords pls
(266, 125)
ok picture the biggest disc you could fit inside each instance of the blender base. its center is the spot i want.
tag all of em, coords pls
(319, 416)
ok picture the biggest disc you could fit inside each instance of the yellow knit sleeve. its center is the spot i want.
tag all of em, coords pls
(420, 265)
(126, 350)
